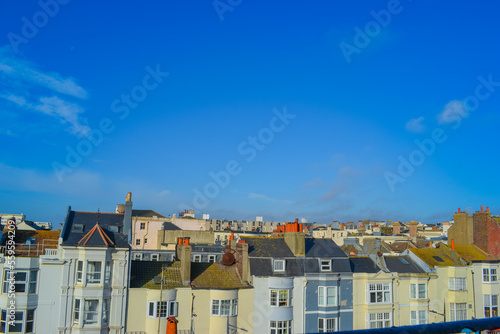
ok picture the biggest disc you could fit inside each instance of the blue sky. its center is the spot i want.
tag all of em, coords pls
(303, 109)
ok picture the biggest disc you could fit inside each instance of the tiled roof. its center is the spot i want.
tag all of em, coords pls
(146, 213)
(147, 274)
(215, 276)
(78, 224)
(267, 247)
(435, 257)
(40, 240)
(323, 248)
(472, 253)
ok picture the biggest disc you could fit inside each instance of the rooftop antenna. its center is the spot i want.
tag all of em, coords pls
(98, 212)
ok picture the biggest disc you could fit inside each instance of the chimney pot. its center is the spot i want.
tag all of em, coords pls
(296, 220)
(180, 241)
(186, 241)
(482, 208)
(301, 228)
(488, 209)
(452, 244)
(458, 210)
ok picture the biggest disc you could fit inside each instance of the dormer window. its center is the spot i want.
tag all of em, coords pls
(113, 228)
(326, 265)
(78, 228)
(279, 265)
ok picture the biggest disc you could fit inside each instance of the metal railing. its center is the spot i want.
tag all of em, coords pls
(47, 247)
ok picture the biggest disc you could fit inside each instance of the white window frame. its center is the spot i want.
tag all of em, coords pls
(142, 226)
(280, 297)
(325, 293)
(90, 312)
(29, 283)
(79, 271)
(490, 305)
(325, 325)
(325, 265)
(490, 275)
(280, 327)
(212, 258)
(105, 311)
(94, 276)
(197, 258)
(155, 257)
(107, 272)
(163, 309)
(458, 311)
(279, 266)
(380, 320)
(77, 307)
(137, 256)
(382, 290)
(457, 284)
(217, 309)
(416, 293)
(418, 317)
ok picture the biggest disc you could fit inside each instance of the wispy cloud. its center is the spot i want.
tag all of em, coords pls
(269, 199)
(314, 183)
(22, 70)
(453, 110)
(29, 88)
(415, 125)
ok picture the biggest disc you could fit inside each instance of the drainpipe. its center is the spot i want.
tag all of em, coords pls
(304, 303)
(473, 293)
(144, 238)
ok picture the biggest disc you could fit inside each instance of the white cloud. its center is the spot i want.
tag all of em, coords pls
(268, 199)
(66, 112)
(22, 70)
(415, 125)
(28, 88)
(452, 111)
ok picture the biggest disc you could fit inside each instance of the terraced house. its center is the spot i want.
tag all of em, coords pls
(300, 285)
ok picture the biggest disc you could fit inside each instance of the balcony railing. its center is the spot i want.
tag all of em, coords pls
(45, 247)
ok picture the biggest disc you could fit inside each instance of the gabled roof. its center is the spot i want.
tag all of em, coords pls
(326, 248)
(215, 276)
(147, 274)
(78, 224)
(267, 247)
(146, 213)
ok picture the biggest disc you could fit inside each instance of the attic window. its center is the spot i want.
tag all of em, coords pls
(279, 265)
(78, 228)
(326, 265)
(113, 228)
(438, 259)
(403, 260)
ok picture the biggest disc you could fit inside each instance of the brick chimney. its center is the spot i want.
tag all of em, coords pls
(183, 252)
(294, 239)
(242, 260)
(396, 228)
(413, 229)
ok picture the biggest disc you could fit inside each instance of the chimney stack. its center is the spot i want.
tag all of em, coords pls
(127, 218)
(242, 260)
(183, 252)
(413, 229)
(294, 239)
(396, 228)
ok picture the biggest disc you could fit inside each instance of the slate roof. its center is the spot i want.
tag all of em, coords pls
(71, 235)
(296, 267)
(146, 213)
(168, 226)
(264, 267)
(208, 248)
(215, 276)
(143, 273)
(363, 264)
(323, 248)
(267, 247)
(402, 264)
